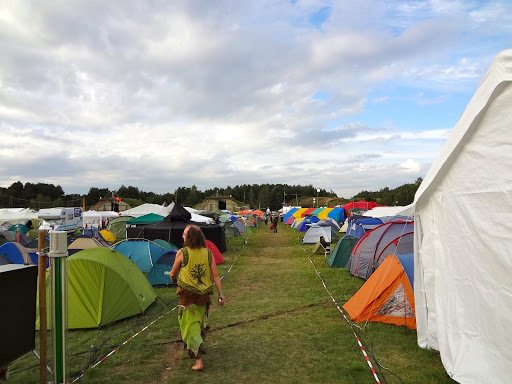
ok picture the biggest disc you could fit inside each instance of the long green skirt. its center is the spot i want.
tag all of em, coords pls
(192, 320)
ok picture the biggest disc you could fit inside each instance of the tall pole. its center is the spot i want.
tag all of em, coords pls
(43, 324)
(59, 303)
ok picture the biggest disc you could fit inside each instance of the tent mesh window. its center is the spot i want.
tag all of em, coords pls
(397, 305)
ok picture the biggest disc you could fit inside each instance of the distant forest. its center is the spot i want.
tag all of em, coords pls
(42, 195)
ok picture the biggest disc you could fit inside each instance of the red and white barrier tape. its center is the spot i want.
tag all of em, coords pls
(347, 320)
(117, 348)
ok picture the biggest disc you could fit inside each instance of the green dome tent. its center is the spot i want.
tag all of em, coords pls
(104, 286)
(340, 255)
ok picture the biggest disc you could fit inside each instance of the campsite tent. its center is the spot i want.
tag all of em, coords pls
(387, 296)
(299, 212)
(103, 287)
(83, 243)
(150, 218)
(217, 256)
(159, 273)
(315, 231)
(303, 225)
(165, 244)
(324, 213)
(118, 226)
(18, 254)
(4, 260)
(357, 226)
(290, 213)
(147, 208)
(337, 214)
(340, 255)
(462, 258)
(16, 215)
(394, 237)
(171, 229)
(143, 253)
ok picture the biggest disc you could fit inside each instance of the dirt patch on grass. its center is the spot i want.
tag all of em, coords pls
(174, 354)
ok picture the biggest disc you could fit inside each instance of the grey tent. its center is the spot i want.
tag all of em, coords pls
(394, 237)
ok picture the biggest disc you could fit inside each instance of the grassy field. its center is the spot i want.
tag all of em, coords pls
(279, 326)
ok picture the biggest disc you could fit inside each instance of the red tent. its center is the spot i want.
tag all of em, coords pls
(361, 204)
(219, 259)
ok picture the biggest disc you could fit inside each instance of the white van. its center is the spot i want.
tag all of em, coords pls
(60, 219)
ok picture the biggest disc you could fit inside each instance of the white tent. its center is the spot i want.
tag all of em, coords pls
(199, 218)
(94, 218)
(463, 265)
(16, 215)
(391, 212)
(148, 208)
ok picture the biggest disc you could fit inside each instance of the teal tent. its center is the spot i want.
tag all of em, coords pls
(150, 218)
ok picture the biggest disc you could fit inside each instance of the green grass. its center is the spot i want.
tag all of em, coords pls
(279, 326)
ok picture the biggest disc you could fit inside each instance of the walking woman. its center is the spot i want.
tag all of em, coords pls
(196, 279)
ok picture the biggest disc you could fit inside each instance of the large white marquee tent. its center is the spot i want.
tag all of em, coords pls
(463, 262)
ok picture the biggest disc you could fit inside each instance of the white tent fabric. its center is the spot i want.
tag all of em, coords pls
(148, 208)
(16, 216)
(462, 284)
(199, 218)
(390, 211)
(94, 218)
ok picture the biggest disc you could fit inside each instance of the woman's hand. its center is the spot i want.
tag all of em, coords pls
(222, 300)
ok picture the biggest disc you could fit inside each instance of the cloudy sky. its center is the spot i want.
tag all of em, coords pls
(344, 95)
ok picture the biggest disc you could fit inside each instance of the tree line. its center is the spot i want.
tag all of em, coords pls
(42, 195)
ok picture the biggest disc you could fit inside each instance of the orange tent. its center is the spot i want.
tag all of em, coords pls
(387, 296)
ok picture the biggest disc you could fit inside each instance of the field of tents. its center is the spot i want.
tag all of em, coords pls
(353, 294)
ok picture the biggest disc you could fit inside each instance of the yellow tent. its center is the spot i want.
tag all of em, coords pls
(323, 215)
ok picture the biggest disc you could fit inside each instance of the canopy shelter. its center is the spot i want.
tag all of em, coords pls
(337, 214)
(147, 208)
(171, 229)
(317, 211)
(17, 215)
(388, 295)
(462, 258)
(290, 213)
(307, 212)
(150, 218)
(324, 213)
(299, 212)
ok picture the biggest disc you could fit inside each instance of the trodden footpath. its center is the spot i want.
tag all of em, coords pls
(279, 326)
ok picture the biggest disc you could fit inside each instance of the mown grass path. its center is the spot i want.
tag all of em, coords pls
(279, 326)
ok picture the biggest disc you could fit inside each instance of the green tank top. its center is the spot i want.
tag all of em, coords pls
(195, 274)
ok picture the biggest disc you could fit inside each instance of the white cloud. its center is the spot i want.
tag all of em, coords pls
(161, 95)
